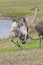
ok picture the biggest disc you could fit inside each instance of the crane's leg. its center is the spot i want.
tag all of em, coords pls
(16, 43)
(12, 40)
(42, 37)
(40, 41)
(30, 37)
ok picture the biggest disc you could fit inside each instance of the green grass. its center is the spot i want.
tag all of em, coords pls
(29, 45)
(19, 7)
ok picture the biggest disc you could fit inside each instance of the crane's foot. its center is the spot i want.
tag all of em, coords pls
(18, 45)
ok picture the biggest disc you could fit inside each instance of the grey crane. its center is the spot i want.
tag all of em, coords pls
(20, 29)
(38, 27)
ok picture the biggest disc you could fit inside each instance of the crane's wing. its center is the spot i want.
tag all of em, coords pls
(39, 28)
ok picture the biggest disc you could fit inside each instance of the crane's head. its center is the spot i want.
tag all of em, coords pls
(36, 9)
(22, 38)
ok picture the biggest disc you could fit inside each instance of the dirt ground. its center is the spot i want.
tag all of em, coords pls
(22, 57)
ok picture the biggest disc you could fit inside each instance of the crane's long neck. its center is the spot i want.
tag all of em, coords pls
(34, 19)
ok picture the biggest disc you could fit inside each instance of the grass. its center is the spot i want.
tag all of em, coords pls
(22, 57)
(19, 7)
(29, 45)
(6, 45)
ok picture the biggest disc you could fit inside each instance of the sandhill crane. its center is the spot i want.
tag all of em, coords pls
(23, 19)
(38, 27)
(20, 29)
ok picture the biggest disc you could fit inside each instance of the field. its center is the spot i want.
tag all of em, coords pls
(7, 45)
(19, 7)
(22, 57)
(30, 54)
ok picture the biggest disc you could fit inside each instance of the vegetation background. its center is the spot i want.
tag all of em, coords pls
(19, 7)
(30, 54)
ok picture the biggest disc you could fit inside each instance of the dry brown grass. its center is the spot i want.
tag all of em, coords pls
(22, 57)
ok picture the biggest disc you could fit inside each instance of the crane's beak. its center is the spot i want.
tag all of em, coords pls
(32, 9)
(35, 8)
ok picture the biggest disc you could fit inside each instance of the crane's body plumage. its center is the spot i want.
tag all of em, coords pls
(19, 30)
(38, 27)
